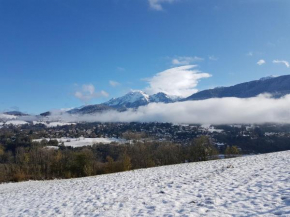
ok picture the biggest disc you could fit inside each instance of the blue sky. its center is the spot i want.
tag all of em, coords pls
(55, 52)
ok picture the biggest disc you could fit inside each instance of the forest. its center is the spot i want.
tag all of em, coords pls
(25, 160)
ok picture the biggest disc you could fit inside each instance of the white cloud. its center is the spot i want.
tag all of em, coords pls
(179, 81)
(185, 60)
(286, 63)
(157, 4)
(261, 62)
(250, 54)
(213, 58)
(256, 110)
(87, 92)
(121, 69)
(89, 88)
(114, 83)
(104, 93)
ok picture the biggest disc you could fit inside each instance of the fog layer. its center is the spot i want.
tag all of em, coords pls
(260, 109)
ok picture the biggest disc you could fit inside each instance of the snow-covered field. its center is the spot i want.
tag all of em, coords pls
(247, 186)
(80, 142)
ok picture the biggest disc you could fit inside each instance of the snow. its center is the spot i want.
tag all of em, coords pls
(80, 142)
(52, 147)
(205, 126)
(267, 78)
(131, 97)
(210, 128)
(38, 122)
(236, 125)
(138, 96)
(47, 124)
(247, 186)
(219, 144)
(250, 127)
(174, 98)
(53, 124)
(155, 98)
(7, 117)
(16, 122)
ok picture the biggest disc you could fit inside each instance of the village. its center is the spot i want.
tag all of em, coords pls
(249, 138)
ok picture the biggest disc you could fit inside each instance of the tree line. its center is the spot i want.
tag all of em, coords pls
(35, 161)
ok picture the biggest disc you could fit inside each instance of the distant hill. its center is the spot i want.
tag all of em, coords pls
(277, 86)
(15, 113)
(44, 114)
(91, 109)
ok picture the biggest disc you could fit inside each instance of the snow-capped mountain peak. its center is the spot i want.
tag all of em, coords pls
(161, 97)
(136, 98)
(132, 99)
(134, 95)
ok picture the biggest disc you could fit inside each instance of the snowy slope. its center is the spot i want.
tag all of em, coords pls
(162, 97)
(137, 98)
(247, 186)
(132, 99)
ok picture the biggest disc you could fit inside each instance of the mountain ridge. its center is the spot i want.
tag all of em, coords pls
(131, 100)
(276, 86)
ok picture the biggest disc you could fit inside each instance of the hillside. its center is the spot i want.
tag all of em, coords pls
(254, 185)
(277, 86)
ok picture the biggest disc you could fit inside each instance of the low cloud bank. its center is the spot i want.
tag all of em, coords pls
(258, 110)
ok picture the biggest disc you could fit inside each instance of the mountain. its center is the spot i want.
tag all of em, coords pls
(15, 113)
(90, 109)
(137, 98)
(268, 77)
(161, 97)
(133, 99)
(45, 114)
(277, 86)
